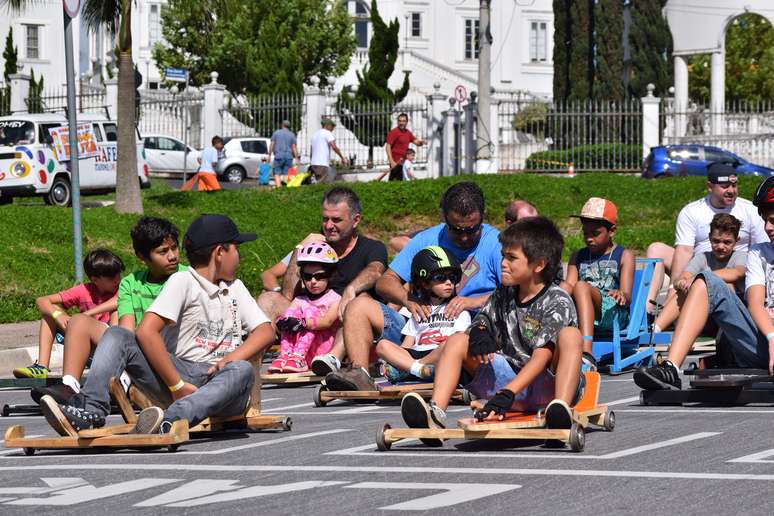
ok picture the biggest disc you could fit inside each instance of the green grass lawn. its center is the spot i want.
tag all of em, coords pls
(36, 240)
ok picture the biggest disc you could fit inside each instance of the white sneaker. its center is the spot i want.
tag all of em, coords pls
(323, 365)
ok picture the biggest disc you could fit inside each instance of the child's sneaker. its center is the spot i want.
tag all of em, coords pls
(393, 374)
(323, 365)
(588, 362)
(148, 421)
(426, 372)
(664, 376)
(418, 414)
(68, 420)
(33, 371)
(278, 364)
(350, 379)
(558, 415)
(295, 364)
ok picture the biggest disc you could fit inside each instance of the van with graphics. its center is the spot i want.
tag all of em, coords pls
(29, 165)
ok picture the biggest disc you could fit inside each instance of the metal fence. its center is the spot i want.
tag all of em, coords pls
(744, 128)
(261, 115)
(179, 116)
(545, 136)
(361, 130)
(5, 100)
(87, 99)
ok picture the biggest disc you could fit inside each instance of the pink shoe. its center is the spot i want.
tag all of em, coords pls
(295, 364)
(278, 364)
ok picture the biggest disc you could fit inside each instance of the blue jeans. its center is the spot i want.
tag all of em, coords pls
(498, 373)
(281, 165)
(225, 393)
(749, 347)
(393, 325)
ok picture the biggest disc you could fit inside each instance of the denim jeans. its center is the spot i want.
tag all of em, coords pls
(281, 165)
(393, 325)
(225, 393)
(749, 347)
(492, 377)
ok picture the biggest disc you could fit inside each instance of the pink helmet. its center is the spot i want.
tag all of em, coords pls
(317, 252)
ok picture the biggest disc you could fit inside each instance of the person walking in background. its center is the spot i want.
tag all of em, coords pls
(398, 140)
(208, 162)
(322, 143)
(285, 149)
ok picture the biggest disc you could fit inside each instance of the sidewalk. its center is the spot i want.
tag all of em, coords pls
(19, 347)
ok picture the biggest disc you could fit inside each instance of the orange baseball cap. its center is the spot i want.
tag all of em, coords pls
(597, 208)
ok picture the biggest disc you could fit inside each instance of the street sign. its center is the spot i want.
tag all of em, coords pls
(176, 74)
(460, 93)
(72, 7)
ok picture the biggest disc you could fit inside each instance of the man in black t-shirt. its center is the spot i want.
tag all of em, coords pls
(362, 261)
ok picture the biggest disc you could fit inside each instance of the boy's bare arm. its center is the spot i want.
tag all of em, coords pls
(152, 346)
(270, 275)
(127, 321)
(756, 296)
(111, 305)
(459, 304)
(50, 305)
(731, 275)
(623, 295)
(572, 270)
(539, 362)
(326, 321)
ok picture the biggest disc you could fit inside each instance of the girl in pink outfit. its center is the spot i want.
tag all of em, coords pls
(309, 325)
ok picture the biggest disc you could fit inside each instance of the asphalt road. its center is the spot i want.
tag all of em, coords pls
(658, 460)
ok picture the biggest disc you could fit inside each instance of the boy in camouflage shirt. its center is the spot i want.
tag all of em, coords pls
(522, 351)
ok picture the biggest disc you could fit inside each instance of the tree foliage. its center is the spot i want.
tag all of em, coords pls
(10, 56)
(749, 62)
(609, 56)
(562, 44)
(650, 44)
(258, 47)
(367, 111)
(581, 62)
(35, 96)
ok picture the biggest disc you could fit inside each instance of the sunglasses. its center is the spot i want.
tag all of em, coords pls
(318, 276)
(464, 231)
(443, 277)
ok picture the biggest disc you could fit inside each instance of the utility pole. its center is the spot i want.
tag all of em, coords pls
(484, 133)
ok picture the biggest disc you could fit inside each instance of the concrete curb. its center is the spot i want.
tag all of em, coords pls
(12, 358)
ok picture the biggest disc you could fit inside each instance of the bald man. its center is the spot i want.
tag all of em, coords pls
(518, 209)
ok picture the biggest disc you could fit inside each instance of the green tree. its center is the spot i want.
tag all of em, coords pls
(609, 54)
(35, 96)
(581, 57)
(562, 45)
(749, 63)
(11, 57)
(116, 16)
(367, 111)
(650, 44)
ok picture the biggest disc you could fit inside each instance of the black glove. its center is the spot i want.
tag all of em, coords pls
(481, 341)
(291, 324)
(499, 404)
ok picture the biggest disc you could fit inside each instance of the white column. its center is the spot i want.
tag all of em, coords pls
(447, 139)
(315, 109)
(20, 90)
(718, 91)
(650, 120)
(214, 94)
(111, 94)
(681, 94)
(434, 137)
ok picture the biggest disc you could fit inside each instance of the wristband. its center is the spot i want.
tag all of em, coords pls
(177, 386)
(275, 289)
(770, 335)
(55, 314)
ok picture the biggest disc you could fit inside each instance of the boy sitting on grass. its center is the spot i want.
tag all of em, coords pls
(155, 243)
(95, 301)
(748, 331)
(523, 349)
(189, 350)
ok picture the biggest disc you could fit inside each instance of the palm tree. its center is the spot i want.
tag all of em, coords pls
(116, 16)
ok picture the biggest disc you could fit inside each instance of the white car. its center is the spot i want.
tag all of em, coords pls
(241, 156)
(166, 155)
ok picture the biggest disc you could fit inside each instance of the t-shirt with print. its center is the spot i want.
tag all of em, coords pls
(136, 293)
(521, 328)
(601, 271)
(366, 251)
(693, 224)
(432, 332)
(207, 319)
(481, 271)
(760, 271)
(86, 296)
(707, 261)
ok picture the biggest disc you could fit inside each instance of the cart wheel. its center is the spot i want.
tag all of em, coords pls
(577, 438)
(659, 359)
(466, 397)
(317, 396)
(287, 423)
(642, 399)
(29, 452)
(382, 444)
(6, 410)
(172, 448)
(609, 421)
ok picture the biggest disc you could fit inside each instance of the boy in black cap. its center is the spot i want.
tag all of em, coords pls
(748, 330)
(189, 351)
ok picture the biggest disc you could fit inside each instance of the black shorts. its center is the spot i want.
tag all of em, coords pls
(417, 354)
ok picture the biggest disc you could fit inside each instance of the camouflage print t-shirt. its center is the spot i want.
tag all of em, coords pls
(521, 328)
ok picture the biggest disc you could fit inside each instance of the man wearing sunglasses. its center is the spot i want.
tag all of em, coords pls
(472, 242)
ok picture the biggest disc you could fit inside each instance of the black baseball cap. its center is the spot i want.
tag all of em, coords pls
(211, 229)
(721, 173)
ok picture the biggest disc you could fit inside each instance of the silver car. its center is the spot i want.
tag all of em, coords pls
(166, 154)
(241, 157)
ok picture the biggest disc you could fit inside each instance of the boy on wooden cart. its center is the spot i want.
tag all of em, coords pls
(522, 351)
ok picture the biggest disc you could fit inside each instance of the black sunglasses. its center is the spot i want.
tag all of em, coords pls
(464, 231)
(319, 275)
(442, 277)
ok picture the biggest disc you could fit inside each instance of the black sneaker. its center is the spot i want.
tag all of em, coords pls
(60, 392)
(664, 376)
(78, 418)
(350, 379)
(558, 415)
(419, 414)
(148, 421)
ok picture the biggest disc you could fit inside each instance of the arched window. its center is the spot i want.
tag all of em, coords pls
(361, 21)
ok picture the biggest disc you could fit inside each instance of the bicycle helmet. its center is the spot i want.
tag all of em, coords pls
(432, 259)
(317, 252)
(764, 195)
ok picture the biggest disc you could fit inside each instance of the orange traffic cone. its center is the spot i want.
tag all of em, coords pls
(571, 170)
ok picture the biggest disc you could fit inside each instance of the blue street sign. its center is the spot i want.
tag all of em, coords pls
(176, 74)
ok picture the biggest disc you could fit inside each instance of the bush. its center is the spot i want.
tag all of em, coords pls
(609, 156)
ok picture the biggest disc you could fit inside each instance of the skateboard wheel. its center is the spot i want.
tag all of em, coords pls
(317, 397)
(287, 423)
(29, 452)
(172, 448)
(609, 421)
(577, 438)
(382, 444)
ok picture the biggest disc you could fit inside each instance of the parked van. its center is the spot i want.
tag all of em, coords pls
(29, 166)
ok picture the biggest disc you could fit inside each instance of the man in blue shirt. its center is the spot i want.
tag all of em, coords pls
(475, 245)
(283, 146)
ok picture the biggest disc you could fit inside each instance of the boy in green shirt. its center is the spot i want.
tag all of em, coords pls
(155, 243)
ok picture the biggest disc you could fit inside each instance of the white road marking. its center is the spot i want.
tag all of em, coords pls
(621, 401)
(691, 410)
(193, 489)
(452, 495)
(286, 439)
(54, 484)
(254, 491)
(358, 410)
(662, 444)
(89, 493)
(756, 458)
(282, 409)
